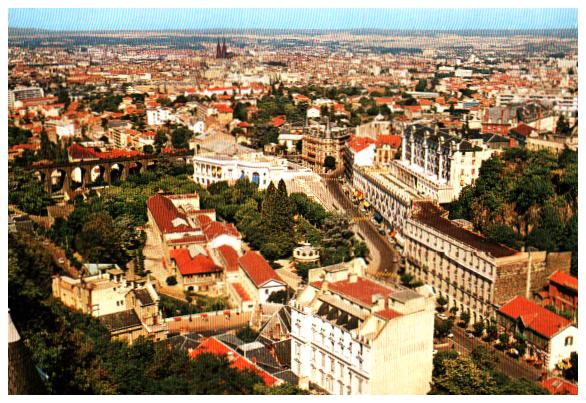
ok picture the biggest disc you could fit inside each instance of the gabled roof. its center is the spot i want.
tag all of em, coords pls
(561, 278)
(358, 144)
(164, 212)
(188, 265)
(216, 347)
(229, 256)
(541, 320)
(120, 320)
(214, 229)
(258, 269)
(391, 139)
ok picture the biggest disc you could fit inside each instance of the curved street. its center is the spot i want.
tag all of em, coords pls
(384, 258)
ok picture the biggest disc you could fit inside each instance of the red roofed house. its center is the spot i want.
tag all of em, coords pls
(216, 347)
(550, 338)
(561, 291)
(387, 146)
(381, 337)
(195, 270)
(258, 277)
(174, 220)
(559, 386)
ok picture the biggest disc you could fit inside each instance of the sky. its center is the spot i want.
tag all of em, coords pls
(150, 19)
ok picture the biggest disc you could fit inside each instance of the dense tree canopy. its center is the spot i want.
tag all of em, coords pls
(525, 198)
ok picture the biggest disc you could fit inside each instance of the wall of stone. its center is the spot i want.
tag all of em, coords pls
(512, 277)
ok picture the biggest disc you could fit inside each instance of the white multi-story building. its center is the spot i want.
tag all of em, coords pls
(353, 335)
(260, 169)
(436, 164)
(388, 196)
(158, 117)
(19, 94)
(473, 273)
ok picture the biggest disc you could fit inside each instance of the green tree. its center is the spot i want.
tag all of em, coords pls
(278, 297)
(25, 191)
(484, 357)
(464, 319)
(478, 329)
(247, 334)
(180, 137)
(160, 140)
(443, 328)
(442, 302)
(462, 377)
(329, 163)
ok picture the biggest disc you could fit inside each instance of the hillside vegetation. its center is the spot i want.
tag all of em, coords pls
(525, 198)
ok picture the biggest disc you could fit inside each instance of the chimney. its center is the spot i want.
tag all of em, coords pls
(352, 278)
(325, 286)
(378, 302)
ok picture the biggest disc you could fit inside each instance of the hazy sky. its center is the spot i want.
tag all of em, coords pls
(113, 19)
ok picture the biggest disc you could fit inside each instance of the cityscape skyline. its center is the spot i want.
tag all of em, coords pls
(89, 19)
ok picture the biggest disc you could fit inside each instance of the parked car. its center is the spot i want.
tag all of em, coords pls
(470, 335)
(450, 336)
(61, 260)
(442, 316)
(434, 352)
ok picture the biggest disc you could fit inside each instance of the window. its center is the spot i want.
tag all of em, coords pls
(569, 341)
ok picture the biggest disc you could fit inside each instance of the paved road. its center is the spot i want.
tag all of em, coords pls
(383, 253)
(506, 364)
(153, 256)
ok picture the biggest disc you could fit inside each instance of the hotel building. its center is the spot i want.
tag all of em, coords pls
(353, 335)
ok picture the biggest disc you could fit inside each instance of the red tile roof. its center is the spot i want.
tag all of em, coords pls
(535, 317)
(559, 386)
(229, 257)
(216, 347)
(164, 212)
(278, 121)
(391, 139)
(561, 278)
(222, 108)
(241, 292)
(358, 144)
(187, 265)
(214, 229)
(523, 129)
(188, 239)
(78, 152)
(361, 291)
(388, 314)
(258, 269)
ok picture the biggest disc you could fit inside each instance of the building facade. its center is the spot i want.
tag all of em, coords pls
(473, 273)
(550, 338)
(127, 305)
(322, 141)
(352, 335)
(437, 164)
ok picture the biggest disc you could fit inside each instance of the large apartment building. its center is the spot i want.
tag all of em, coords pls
(321, 141)
(353, 335)
(473, 273)
(437, 164)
